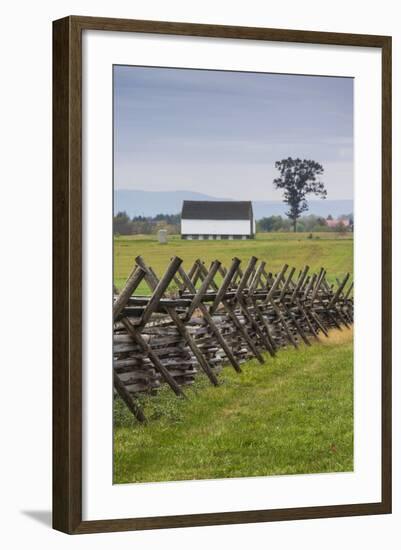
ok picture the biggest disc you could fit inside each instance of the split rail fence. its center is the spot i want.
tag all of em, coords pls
(209, 317)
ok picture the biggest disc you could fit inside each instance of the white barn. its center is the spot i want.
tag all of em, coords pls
(217, 220)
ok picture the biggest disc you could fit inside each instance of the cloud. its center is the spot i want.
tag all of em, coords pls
(221, 132)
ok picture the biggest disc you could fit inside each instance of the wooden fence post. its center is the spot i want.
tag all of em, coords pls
(248, 311)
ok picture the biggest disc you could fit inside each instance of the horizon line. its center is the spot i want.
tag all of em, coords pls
(222, 198)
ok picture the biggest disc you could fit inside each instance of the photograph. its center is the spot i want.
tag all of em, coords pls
(233, 226)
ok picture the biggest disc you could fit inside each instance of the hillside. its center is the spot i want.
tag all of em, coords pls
(151, 203)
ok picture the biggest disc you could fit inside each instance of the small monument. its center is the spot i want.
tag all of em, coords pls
(162, 236)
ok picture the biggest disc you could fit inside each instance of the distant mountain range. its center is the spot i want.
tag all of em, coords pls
(151, 203)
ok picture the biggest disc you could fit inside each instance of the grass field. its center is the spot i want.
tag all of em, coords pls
(292, 415)
(328, 250)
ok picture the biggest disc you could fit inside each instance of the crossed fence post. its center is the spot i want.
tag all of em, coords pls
(252, 320)
(250, 308)
(134, 329)
(152, 281)
(221, 298)
(197, 303)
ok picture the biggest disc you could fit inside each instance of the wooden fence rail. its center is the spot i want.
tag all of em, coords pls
(189, 322)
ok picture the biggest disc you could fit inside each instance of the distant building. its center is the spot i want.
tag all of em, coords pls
(335, 223)
(217, 220)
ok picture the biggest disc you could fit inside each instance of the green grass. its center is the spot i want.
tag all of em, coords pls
(293, 415)
(328, 250)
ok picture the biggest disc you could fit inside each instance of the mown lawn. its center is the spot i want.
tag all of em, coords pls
(293, 415)
(329, 250)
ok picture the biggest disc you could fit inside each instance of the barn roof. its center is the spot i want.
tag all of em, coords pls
(216, 210)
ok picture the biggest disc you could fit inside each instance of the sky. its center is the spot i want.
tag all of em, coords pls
(220, 132)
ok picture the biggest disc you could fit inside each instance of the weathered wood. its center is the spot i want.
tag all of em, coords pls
(271, 347)
(318, 283)
(209, 320)
(128, 399)
(230, 311)
(276, 283)
(160, 289)
(197, 300)
(153, 357)
(197, 272)
(286, 284)
(221, 292)
(257, 277)
(167, 338)
(350, 288)
(192, 271)
(283, 322)
(154, 284)
(309, 285)
(246, 275)
(306, 317)
(338, 291)
(194, 348)
(298, 325)
(132, 283)
(300, 282)
(244, 308)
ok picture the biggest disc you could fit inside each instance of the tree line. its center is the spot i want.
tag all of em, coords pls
(141, 225)
(310, 223)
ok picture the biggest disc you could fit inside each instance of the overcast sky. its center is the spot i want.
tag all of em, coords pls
(220, 132)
